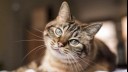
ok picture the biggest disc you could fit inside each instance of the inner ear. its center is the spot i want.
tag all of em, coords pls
(92, 29)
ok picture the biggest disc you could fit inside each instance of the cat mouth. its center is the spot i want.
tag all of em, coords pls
(58, 50)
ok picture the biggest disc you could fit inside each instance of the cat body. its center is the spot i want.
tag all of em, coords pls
(99, 61)
(71, 47)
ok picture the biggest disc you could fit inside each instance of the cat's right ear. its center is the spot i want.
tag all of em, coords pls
(64, 14)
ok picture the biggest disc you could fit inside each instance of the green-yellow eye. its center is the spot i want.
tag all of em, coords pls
(74, 42)
(58, 31)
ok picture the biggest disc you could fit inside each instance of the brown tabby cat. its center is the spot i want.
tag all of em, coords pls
(71, 47)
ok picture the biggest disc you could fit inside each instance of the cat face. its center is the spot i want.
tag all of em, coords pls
(65, 37)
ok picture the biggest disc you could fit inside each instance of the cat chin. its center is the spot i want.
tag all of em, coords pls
(58, 54)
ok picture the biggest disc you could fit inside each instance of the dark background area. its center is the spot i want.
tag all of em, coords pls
(18, 18)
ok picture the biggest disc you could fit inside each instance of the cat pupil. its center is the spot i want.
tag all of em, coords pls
(58, 31)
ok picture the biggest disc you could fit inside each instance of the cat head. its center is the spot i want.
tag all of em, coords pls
(65, 36)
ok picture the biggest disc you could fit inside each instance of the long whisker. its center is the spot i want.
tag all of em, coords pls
(82, 60)
(43, 52)
(67, 59)
(30, 40)
(37, 29)
(38, 47)
(34, 34)
(70, 63)
(74, 64)
(76, 67)
(102, 66)
(79, 64)
(87, 61)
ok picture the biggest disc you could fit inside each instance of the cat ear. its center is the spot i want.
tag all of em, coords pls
(64, 13)
(92, 29)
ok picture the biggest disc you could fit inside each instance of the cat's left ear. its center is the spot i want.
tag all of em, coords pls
(92, 29)
(64, 14)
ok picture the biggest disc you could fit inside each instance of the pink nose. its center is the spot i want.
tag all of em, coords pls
(60, 44)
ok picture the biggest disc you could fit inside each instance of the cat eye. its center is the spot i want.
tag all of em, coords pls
(74, 42)
(58, 31)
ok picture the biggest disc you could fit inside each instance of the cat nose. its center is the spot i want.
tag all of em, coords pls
(60, 44)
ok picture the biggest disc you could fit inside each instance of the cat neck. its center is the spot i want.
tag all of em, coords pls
(50, 62)
(56, 57)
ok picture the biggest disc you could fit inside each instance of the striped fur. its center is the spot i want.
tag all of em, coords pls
(89, 56)
(71, 46)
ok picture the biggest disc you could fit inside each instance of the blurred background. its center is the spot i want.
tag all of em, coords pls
(22, 23)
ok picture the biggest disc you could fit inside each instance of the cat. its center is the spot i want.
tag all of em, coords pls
(71, 47)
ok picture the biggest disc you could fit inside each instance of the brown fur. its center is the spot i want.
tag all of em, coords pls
(94, 54)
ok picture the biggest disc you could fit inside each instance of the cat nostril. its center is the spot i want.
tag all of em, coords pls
(60, 44)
